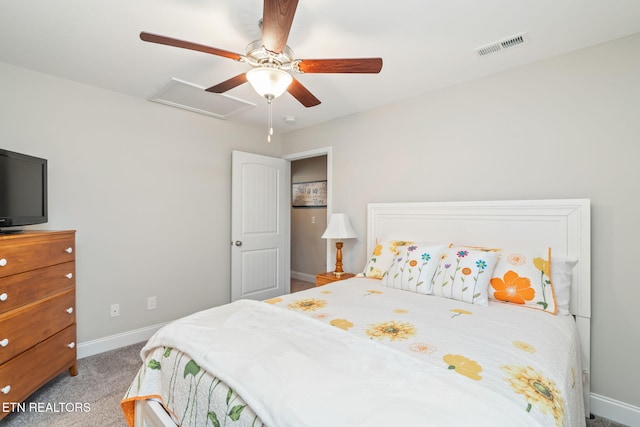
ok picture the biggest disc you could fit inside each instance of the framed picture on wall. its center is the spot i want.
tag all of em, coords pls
(309, 194)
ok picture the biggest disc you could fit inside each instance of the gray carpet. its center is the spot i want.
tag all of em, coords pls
(101, 382)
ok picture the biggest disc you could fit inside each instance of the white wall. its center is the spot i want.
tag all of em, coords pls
(146, 186)
(563, 128)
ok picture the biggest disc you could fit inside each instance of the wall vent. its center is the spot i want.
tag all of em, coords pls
(500, 45)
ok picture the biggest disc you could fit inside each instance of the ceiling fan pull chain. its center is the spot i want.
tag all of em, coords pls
(270, 120)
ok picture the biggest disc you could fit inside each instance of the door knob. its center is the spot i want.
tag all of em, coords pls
(238, 242)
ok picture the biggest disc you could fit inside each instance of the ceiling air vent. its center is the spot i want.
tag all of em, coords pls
(188, 96)
(494, 47)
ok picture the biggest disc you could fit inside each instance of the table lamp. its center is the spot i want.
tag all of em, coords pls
(339, 228)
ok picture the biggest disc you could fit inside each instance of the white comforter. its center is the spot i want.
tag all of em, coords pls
(418, 360)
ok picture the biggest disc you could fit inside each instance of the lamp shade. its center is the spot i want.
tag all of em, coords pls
(339, 228)
(269, 82)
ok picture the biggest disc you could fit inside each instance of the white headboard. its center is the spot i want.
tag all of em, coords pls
(563, 225)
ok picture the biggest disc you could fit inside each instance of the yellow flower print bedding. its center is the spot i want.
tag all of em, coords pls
(373, 355)
(526, 356)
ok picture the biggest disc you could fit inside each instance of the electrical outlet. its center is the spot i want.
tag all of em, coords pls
(115, 310)
(151, 303)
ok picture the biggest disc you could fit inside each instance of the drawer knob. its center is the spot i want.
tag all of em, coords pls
(69, 250)
(6, 389)
(3, 262)
(3, 296)
(69, 310)
(4, 342)
(71, 345)
(69, 275)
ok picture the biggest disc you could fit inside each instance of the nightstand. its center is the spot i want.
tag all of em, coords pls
(329, 277)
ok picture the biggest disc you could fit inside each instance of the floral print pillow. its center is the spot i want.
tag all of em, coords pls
(524, 277)
(413, 268)
(463, 274)
(383, 255)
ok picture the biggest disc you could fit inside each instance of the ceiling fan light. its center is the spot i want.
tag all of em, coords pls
(269, 82)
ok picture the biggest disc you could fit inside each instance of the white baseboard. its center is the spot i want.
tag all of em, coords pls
(615, 410)
(303, 276)
(100, 345)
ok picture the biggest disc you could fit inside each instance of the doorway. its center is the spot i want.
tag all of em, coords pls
(309, 252)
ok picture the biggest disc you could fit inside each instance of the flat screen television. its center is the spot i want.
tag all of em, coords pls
(23, 190)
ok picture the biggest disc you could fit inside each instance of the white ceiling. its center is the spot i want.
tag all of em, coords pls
(425, 44)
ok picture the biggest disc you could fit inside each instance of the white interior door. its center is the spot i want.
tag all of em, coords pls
(260, 222)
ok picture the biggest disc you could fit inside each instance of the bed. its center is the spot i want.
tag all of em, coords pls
(418, 339)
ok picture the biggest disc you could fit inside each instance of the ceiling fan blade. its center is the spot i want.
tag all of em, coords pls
(277, 18)
(155, 38)
(302, 94)
(352, 65)
(228, 84)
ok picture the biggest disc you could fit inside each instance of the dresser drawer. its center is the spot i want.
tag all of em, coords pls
(30, 252)
(24, 288)
(27, 372)
(26, 326)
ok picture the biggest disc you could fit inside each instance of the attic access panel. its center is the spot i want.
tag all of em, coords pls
(188, 96)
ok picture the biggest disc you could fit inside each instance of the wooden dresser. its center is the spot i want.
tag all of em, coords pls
(37, 311)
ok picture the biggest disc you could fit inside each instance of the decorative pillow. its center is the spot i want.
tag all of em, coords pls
(463, 274)
(413, 268)
(524, 277)
(382, 257)
(561, 273)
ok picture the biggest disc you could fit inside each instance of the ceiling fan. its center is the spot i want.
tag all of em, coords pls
(270, 58)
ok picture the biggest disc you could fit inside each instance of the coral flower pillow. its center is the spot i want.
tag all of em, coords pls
(523, 277)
